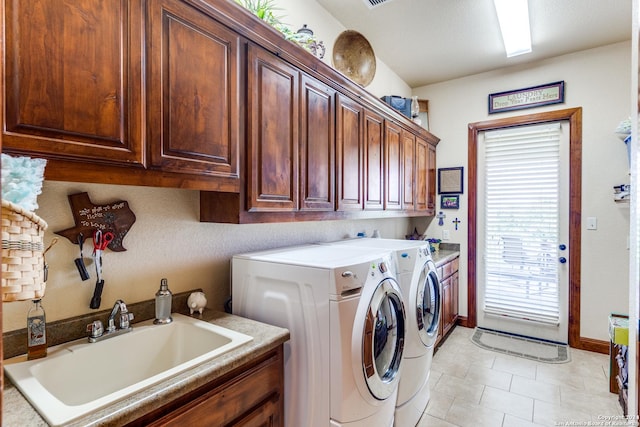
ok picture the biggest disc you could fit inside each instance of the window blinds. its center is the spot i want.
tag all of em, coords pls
(521, 202)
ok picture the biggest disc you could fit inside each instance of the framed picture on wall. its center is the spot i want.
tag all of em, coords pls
(450, 201)
(450, 180)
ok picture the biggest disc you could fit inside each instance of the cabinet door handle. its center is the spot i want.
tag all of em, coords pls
(562, 260)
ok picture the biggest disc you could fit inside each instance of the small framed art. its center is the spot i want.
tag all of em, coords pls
(450, 180)
(450, 201)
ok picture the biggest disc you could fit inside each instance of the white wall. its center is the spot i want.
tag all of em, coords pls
(167, 240)
(295, 13)
(599, 81)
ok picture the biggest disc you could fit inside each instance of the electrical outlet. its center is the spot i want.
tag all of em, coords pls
(445, 235)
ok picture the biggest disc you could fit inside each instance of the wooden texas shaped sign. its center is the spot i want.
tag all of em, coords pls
(115, 217)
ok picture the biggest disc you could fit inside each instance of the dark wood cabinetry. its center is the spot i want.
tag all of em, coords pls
(349, 153)
(73, 80)
(374, 177)
(192, 91)
(272, 132)
(448, 273)
(408, 169)
(317, 146)
(251, 395)
(393, 166)
(200, 94)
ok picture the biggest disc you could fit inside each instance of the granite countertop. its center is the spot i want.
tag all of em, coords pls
(18, 411)
(444, 255)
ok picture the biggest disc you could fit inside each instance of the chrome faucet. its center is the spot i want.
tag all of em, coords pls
(96, 329)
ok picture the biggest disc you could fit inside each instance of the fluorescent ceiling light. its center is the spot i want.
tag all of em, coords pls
(513, 16)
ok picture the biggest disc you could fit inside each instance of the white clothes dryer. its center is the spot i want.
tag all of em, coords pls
(346, 319)
(420, 287)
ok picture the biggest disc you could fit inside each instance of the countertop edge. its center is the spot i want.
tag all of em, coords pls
(17, 410)
(443, 256)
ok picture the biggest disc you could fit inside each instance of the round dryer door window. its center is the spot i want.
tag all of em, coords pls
(383, 339)
(428, 305)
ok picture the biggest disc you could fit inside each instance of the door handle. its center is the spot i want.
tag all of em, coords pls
(562, 260)
(562, 247)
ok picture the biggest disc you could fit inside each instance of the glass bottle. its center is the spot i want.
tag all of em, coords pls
(36, 331)
(415, 107)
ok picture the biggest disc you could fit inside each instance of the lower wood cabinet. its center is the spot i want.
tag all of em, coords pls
(250, 395)
(449, 284)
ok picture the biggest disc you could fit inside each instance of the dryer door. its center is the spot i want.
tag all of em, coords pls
(428, 304)
(383, 339)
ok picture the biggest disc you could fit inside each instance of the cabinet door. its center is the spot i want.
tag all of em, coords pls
(272, 132)
(193, 107)
(447, 304)
(349, 154)
(431, 181)
(422, 174)
(73, 79)
(408, 169)
(393, 166)
(317, 146)
(374, 161)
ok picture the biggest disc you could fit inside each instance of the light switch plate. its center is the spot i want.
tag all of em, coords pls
(592, 223)
(445, 235)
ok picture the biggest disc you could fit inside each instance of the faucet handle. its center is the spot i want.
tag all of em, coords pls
(95, 329)
(125, 318)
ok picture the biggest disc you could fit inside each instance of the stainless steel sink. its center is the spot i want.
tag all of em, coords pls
(77, 378)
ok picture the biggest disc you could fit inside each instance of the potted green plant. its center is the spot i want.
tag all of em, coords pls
(267, 11)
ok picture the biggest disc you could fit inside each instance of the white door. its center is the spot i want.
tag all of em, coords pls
(523, 230)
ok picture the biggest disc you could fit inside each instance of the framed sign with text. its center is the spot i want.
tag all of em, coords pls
(536, 96)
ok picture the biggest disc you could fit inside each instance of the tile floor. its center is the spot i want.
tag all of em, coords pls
(474, 387)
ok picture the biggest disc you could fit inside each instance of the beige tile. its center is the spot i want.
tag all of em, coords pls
(466, 414)
(429, 421)
(535, 389)
(439, 405)
(552, 374)
(596, 403)
(468, 388)
(511, 421)
(550, 414)
(459, 388)
(517, 366)
(490, 377)
(509, 403)
(453, 366)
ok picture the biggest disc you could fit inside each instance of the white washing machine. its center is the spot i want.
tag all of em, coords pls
(420, 287)
(345, 315)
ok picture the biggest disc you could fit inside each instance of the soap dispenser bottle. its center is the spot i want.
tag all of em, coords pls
(36, 331)
(163, 304)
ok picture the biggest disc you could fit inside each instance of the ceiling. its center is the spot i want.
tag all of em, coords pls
(429, 41)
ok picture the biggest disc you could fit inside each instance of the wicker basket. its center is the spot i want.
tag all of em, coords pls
(22, 253)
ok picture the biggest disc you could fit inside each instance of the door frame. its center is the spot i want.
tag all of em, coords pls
(574, 116)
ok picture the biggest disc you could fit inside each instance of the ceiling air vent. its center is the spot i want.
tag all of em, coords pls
(375, 3)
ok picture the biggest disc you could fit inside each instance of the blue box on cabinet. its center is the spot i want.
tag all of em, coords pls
(401, 104)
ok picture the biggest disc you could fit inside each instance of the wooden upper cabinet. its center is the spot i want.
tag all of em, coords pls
(374, 161)
(272, 132)
(73, 79)
(408, 169)
(349, 153)
(422, 174)
(317, 146)
(393, 166)
(192, 91)
(431, 182)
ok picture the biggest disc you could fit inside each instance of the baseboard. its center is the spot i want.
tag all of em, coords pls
(463, 321)
(590, 344)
